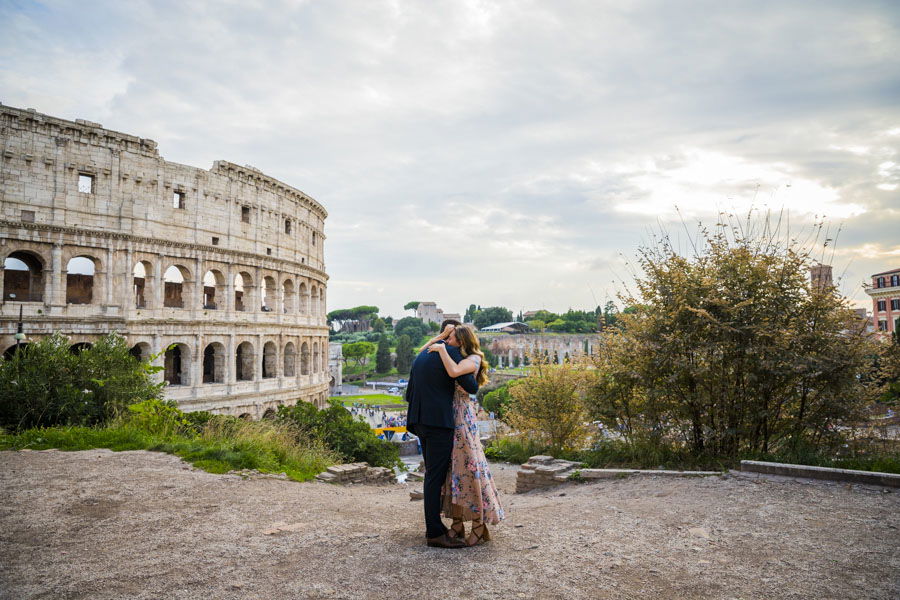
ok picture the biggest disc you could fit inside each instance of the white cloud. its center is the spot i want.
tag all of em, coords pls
(496, 152)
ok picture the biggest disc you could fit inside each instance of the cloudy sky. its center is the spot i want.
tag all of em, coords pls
(510, 153)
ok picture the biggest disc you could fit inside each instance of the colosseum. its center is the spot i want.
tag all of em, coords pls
(218, 274)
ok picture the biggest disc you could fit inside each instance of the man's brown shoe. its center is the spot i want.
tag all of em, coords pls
(442, 541)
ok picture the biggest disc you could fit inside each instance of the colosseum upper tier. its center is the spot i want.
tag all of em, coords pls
(218, 274)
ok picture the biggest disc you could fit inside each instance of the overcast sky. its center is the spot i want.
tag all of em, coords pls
(499, 153)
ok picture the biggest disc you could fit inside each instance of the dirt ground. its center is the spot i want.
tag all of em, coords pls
(99, 524)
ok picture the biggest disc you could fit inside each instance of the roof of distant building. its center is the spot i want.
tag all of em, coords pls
(886, 272)
(502, 326)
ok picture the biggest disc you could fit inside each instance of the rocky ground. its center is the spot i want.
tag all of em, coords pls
(98, 524)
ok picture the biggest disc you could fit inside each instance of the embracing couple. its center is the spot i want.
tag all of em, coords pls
(458, 482)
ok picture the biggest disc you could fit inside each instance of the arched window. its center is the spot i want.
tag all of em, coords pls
(174, 287)
(288, 292)
(315, 353)
(268, 289)
(239, 283)
(177, 361)
(270, 356)
(304, 359)
(304, 298)
(214, 363)
(80, 280)
(80, 347)
(244, 357)
(212, 282)
(141, 351)
(23, 278)
(290, 360)
(139, 284)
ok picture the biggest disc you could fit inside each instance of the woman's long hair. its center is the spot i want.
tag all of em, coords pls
(468, 345)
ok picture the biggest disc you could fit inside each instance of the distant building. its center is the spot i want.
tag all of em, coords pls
(429, 312)
(454, 316)
(529, 315)
(885, 293)
(820, 276)
(510, 327)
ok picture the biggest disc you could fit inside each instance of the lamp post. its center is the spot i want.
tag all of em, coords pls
(19, 335)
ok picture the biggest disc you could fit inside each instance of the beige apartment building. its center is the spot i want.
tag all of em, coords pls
(220, 272)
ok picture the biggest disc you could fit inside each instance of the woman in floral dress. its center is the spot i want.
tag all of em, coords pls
(469, 494)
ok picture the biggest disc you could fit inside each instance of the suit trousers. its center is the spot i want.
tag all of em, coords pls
(437, 444)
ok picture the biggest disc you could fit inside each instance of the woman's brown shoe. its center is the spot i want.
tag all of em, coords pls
(457, 530)
(479, 535)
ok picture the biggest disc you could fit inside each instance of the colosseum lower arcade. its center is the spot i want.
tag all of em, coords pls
(218, 275)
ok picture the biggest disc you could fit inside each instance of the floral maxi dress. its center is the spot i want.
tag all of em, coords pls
(469, 492)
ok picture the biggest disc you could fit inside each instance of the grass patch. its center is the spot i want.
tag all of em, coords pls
(222, 445)
(370, 399)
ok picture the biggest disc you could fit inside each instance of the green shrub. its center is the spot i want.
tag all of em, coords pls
(514, 449)
(336, 427)
(44, 384)
(497, 401)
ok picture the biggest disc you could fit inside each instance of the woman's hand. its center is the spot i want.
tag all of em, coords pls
(447, 331)
(438, 348)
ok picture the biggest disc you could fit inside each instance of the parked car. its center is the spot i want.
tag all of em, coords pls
(394, 390)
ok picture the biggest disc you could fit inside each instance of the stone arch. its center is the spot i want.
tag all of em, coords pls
(213, 285)
(315, 353)
(80, 279)
(269, 414)
(214, 363)
(141, 351)
(176, 284)
(267, 294)
(303, 296)
(287, 292)
(177, 363)
(314, 300)
(245, 416)
(290, 360)
(142, 283)
(304, 358)
(23, 277)
(244, 361)
(270, 358)
(11, 351)
(243, 291)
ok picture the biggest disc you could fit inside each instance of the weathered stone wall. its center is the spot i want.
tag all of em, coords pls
(136, 207)
(511, 349)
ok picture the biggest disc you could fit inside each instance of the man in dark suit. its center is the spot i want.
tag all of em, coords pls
(430, 395)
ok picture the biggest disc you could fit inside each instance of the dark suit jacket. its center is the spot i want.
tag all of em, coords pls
(430, 390)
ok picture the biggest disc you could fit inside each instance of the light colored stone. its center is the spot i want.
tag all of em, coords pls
(128, 218)
(699, 532)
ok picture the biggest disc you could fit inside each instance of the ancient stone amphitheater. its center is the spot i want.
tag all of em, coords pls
(220, 273)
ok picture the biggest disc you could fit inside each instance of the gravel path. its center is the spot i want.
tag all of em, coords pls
(99, 524)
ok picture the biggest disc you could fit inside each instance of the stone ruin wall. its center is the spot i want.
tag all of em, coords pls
(232, 220)
(512, 349)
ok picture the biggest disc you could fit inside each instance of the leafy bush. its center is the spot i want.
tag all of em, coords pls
(548, 405)
(45, 384)
(337, 428)
(497, 401)
(515, 449)
(732, 349)
(414, 327)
